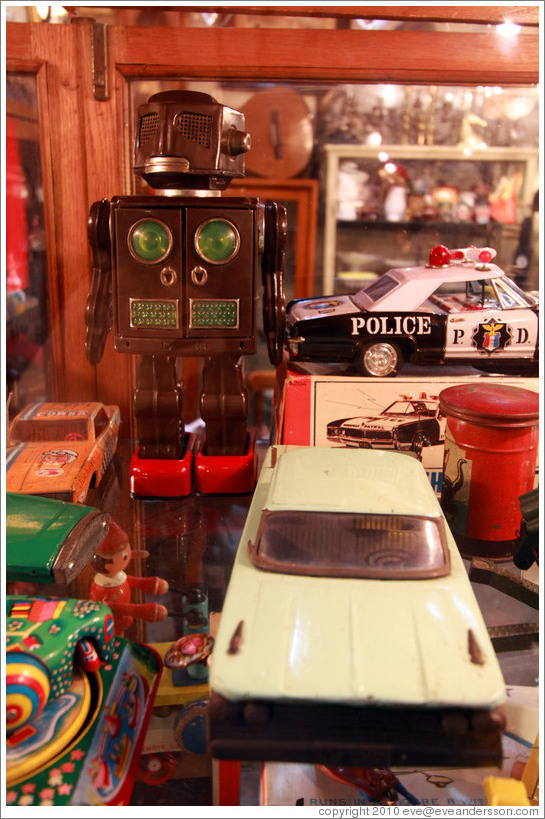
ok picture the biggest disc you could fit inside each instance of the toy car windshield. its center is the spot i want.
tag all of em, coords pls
(410, 407)
(36, 431)
(378, 288)
(338, 544)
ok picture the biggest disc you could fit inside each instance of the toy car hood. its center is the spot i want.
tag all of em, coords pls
(49, 540)
(304, 309)
(297, 631)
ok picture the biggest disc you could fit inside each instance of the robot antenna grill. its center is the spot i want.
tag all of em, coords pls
(149, 127)
(196, 127)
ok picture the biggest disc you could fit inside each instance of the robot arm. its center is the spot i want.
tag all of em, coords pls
(98, 310)
(272, 265)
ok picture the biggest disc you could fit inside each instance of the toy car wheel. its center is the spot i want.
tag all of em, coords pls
(27, 689)
(420, 440)
(379, 359)
(155, 769)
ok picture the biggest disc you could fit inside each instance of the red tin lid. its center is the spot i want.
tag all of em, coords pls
(491, 404)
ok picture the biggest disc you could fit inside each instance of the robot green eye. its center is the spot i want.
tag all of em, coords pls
(150, 241)
(217, 241)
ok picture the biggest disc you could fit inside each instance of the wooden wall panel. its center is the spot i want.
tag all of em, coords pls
(81, 153)
(103, 135)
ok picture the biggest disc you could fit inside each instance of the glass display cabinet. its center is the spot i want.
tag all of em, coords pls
(71, 87)
(453, 205)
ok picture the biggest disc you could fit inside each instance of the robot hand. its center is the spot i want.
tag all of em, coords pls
(98, 310)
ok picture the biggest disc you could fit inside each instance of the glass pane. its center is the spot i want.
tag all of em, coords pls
(400, 168)
(27, 326)
(335, 544)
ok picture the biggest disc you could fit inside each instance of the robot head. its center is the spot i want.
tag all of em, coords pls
(187, 140)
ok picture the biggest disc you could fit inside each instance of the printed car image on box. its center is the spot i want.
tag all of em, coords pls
(409, 424)
(317, 408)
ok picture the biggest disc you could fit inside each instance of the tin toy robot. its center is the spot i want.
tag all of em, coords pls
(176, 273)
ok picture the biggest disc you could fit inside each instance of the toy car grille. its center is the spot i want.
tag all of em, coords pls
(373, 434)
(196, 127)
(336, 544)
(378, 434)
(149, 126)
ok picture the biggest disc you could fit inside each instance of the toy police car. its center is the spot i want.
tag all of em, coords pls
(458, 307)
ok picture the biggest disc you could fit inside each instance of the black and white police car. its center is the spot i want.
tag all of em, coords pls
(408, 424)
(458, 307)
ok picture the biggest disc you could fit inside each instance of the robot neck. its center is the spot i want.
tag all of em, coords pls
(184, 192)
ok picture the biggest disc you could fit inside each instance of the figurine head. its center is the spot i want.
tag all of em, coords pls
(186, 140)
(115, 551)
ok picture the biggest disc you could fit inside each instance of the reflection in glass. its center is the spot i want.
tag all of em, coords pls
(461, 162)
(27, 326)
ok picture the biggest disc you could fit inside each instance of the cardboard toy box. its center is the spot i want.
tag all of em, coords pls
(311, 398)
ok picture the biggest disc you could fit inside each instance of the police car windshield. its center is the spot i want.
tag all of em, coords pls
(410, 407)
(525, 298)
(376, 290)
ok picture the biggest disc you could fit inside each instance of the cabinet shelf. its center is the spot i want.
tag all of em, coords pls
(416, 226)
(371, 233)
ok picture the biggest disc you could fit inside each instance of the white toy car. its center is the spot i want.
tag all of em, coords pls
(350, 634)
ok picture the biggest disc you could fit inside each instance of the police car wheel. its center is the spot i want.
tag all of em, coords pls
(379, 359)
(420, 440)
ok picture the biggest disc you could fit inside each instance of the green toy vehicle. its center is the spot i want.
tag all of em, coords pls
(350, 634)
(50, 541)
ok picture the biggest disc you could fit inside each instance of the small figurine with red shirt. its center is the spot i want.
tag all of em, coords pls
(112, 586)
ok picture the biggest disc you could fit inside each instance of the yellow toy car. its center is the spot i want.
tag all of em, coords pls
(61, 450)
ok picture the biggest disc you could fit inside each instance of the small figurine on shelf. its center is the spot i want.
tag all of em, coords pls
(112, 586)
(503, 199)
(396, 181)
(470, 139)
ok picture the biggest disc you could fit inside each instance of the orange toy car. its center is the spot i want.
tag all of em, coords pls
(61, 450)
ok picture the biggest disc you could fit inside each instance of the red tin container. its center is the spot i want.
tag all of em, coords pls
(490, 457)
